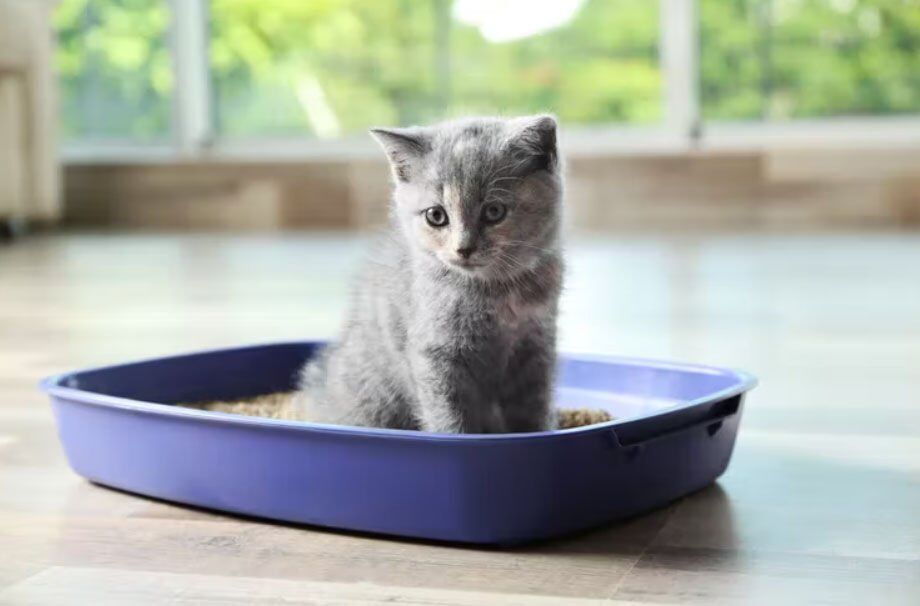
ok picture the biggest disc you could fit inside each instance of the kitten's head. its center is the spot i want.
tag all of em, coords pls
(480, 195)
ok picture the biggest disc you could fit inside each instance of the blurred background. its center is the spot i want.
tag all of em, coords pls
(185, 173)
(252, 114)
(735, 169)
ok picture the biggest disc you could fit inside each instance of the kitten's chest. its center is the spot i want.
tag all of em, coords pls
(516, 314)
(461, 317)
(484, 315)
(501, 321)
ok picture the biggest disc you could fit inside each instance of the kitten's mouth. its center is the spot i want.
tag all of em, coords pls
(466, 264)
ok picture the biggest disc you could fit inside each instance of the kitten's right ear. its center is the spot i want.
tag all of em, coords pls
(533, 138)
(405, 147)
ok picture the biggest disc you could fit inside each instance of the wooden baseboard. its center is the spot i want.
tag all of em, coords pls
(785, 188)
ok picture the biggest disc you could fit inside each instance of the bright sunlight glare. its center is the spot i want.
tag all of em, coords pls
(507, 20)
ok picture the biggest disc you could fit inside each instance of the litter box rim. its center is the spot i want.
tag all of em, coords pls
(54, 386)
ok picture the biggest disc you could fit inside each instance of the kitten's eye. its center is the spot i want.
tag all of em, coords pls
(493, 212)
(436, 216)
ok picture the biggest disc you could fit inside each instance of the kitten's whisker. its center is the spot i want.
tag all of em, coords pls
(529, 245)
(501, 179)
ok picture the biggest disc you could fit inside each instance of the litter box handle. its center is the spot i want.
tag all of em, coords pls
(709, 416)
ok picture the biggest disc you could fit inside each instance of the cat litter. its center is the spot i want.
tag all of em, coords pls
(281, 406)
(672, 432)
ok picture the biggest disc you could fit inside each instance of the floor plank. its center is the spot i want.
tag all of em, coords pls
(61, 585)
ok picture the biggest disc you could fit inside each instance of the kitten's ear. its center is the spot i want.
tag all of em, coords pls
(533, 138)
(405, 147)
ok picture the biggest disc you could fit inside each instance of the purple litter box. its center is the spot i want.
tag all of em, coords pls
(674, 432)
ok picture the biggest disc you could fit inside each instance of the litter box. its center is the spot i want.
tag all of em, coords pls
(673, 433)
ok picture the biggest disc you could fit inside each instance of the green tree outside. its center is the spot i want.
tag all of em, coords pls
(326, 68)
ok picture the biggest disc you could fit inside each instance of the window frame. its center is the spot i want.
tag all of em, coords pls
(680, 131)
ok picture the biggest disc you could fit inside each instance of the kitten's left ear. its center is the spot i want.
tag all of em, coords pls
(405, 147)
(534, 137)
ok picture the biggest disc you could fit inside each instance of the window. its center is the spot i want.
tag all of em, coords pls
(114, 69)
(328, 69)
(332, 68)
(781, 59)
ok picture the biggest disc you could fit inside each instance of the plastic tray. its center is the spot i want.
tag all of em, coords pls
(674, 433)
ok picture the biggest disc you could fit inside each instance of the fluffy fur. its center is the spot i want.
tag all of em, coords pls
(452, 328)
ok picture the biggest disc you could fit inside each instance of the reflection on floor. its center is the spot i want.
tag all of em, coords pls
(819, 505)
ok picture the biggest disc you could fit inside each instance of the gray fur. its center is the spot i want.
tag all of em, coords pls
(428, 344)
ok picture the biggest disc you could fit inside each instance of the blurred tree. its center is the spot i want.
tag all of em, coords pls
(777, 59)
(601, 67)
(114, 70)
(325, 66)
(340, 65)
(332, 67)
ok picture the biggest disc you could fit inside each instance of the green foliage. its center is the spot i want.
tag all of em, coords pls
(372, 62)
(392, 62)
(777, 59)
(602, 67)
(114, 68)
(331, 67)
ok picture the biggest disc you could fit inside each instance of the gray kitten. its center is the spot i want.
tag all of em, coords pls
(453, 323)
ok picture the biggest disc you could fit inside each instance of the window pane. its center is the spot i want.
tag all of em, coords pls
(290, 67)
(777, 59)
(115, 75)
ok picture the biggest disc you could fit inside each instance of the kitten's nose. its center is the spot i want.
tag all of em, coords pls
(465, 252)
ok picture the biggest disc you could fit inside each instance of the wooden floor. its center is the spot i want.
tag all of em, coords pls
(821, 503)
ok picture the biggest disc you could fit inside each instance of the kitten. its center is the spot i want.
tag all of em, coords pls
(452, 327)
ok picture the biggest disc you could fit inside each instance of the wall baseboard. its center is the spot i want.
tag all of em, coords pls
(770, 188)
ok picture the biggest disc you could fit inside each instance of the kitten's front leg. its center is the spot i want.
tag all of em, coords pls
(454, 391)
(527, 389)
